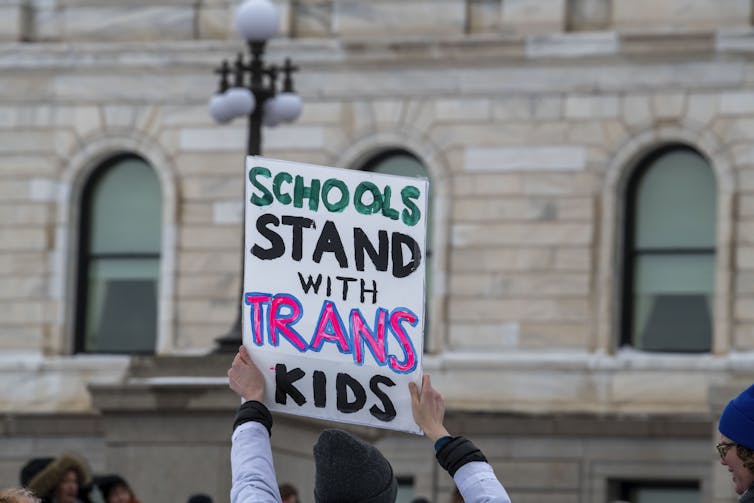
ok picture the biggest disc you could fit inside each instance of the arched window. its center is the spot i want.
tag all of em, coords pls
(119, 258)
(400, 162)
(669, 259)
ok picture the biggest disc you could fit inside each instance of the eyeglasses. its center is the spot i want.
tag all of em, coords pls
(723, 448)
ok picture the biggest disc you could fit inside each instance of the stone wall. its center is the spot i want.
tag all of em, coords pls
(89, 20)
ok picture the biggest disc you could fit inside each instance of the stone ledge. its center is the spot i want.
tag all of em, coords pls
(12, 425)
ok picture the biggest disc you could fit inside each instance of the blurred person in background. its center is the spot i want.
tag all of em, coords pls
(65, 479)
(115, 489)
(288, 493)
(736, 446)
(17, 495)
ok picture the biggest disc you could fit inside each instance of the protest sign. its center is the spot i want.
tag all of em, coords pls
(333, 302)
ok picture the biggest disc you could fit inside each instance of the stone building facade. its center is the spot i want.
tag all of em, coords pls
(536, 121)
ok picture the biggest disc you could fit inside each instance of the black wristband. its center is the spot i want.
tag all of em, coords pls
(457, 452)
(253, 411)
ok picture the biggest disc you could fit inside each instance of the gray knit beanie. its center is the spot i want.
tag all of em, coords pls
(349, 470)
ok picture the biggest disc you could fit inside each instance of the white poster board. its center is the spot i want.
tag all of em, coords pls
(333, 302)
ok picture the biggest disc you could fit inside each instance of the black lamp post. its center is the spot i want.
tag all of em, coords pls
(253, 94)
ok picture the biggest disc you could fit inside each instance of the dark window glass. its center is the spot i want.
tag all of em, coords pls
(656, 491)
(670, 253)
(119, 259)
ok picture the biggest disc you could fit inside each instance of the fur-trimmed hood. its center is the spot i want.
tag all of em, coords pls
(42, 475)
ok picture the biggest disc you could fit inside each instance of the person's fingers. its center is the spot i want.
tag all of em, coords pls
(244, 354)
(426, 384)
(414, 390)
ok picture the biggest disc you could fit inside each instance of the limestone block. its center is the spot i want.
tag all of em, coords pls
(312, 19)
(555, 234)
(497, 310)
(701, 109)
(484, 16)
(562, 335)
(14, 20)
(294, 137)
(199, 163)
(551, 183)
(457, 110)
(203, 286)
(523, 209)
(21, 214)
(746, 232)
(19, 311)
(744, 260)
(485, 184)
(212, 139)
(329, 113)
(17, 239)
(197, 212)
(671, 391)
(488, 336)
(743, 309)
(668, 105)
(228, 212)
(22, 287)
(572, 45)
(746, 205)
(743, 337)
(387, 113)
(529, 17)
(197, 261)
(85, 120)
(491, 259)
(212, 187)
(43, 190)
(107, 23)
(31, 262)
(636, 110)
(210, 238)
(119, 116)
(746, 183)
(573, 259)
(506, 285)
(204, 310)
(214, 19)
(737, 103)
(507, 109)
(529, 158)
(32, 142)
(547, 107)
(644, 15)
(588, 15)
(592, 107)
(390, 18)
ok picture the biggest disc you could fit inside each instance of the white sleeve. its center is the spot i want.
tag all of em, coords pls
(251, 466)
(478, 484)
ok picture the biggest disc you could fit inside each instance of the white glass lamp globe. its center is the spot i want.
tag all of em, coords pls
(240, 101)
(219, 109)
(257, 20)
(271, 117)
(288, 106)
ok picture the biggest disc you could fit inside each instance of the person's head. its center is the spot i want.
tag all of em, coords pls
(114, 489)
(288, 493)
(56, 478)
(349, 469)
(17, 495)
(736, 446)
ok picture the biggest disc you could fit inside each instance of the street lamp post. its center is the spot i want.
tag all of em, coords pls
(250, 89)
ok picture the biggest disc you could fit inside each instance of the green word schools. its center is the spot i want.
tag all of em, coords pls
(334, 195)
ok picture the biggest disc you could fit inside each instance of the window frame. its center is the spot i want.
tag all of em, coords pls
(631, 253)
(85, 258)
